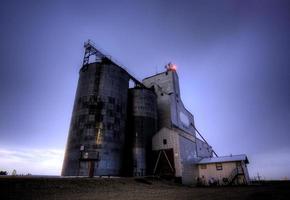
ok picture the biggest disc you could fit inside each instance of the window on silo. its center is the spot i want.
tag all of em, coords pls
(110, 113)
(164, 141)
(99, 118)
(109, 126)
(111, 100)
(118, 108)
(219, 166)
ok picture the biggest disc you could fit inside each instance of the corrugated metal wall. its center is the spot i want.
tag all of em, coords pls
(97, 130)
(142, 125)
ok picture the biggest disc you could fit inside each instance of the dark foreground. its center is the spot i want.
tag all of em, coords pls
(130, 188)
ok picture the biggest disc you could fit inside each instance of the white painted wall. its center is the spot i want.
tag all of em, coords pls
(211, 172)
(172, 143)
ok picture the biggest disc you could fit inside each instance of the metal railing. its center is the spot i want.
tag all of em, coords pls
(237, 171)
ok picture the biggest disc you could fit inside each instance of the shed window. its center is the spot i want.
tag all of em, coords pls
(219, 166)
(164, 141)
(202, 166)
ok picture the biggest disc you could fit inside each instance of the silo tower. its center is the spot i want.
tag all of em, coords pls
(97, 129)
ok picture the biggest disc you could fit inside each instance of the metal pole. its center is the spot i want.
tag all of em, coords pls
(203, 138)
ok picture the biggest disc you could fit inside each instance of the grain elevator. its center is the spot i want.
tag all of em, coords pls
(143, 130)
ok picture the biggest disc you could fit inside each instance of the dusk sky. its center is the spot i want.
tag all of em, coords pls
(233, 59)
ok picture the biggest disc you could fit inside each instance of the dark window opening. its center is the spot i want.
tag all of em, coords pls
(219, 166)
(111, 100)
(91, 112)
(116, 134)
(117, 121)
(99, 118)
(164, 141)
(109, 126)
(118, 108)
(110, 113)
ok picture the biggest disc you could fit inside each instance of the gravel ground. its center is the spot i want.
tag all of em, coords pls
(45, 188)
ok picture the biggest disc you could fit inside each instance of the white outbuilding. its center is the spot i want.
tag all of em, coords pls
(226, 170)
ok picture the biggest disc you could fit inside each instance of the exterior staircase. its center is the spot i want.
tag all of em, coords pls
(234, 174)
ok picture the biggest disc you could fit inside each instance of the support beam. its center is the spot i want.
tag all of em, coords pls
(157, 161)
(168, 160)
(203, 138)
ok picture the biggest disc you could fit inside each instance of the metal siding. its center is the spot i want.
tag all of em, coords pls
(142, 125)
(188, 159)
(170, 105)
(98, 121)
(203, 149)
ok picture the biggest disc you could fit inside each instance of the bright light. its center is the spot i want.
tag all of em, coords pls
(171, 67)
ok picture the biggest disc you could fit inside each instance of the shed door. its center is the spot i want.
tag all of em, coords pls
(164, 163)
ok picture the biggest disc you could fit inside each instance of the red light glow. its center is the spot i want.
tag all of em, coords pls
(171, 67)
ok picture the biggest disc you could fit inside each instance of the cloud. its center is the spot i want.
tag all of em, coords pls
(33, 161)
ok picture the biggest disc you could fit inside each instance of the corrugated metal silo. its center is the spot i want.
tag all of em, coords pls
(142, 125)
(97, 131)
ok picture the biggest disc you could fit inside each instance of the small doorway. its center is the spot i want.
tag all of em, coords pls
(164, 163)
(91, 168)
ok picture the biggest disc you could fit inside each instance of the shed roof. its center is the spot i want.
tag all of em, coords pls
(230, 158)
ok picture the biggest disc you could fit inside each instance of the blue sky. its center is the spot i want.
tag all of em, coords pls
(233, 66)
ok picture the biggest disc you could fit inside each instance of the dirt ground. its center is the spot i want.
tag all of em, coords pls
(45, 188)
